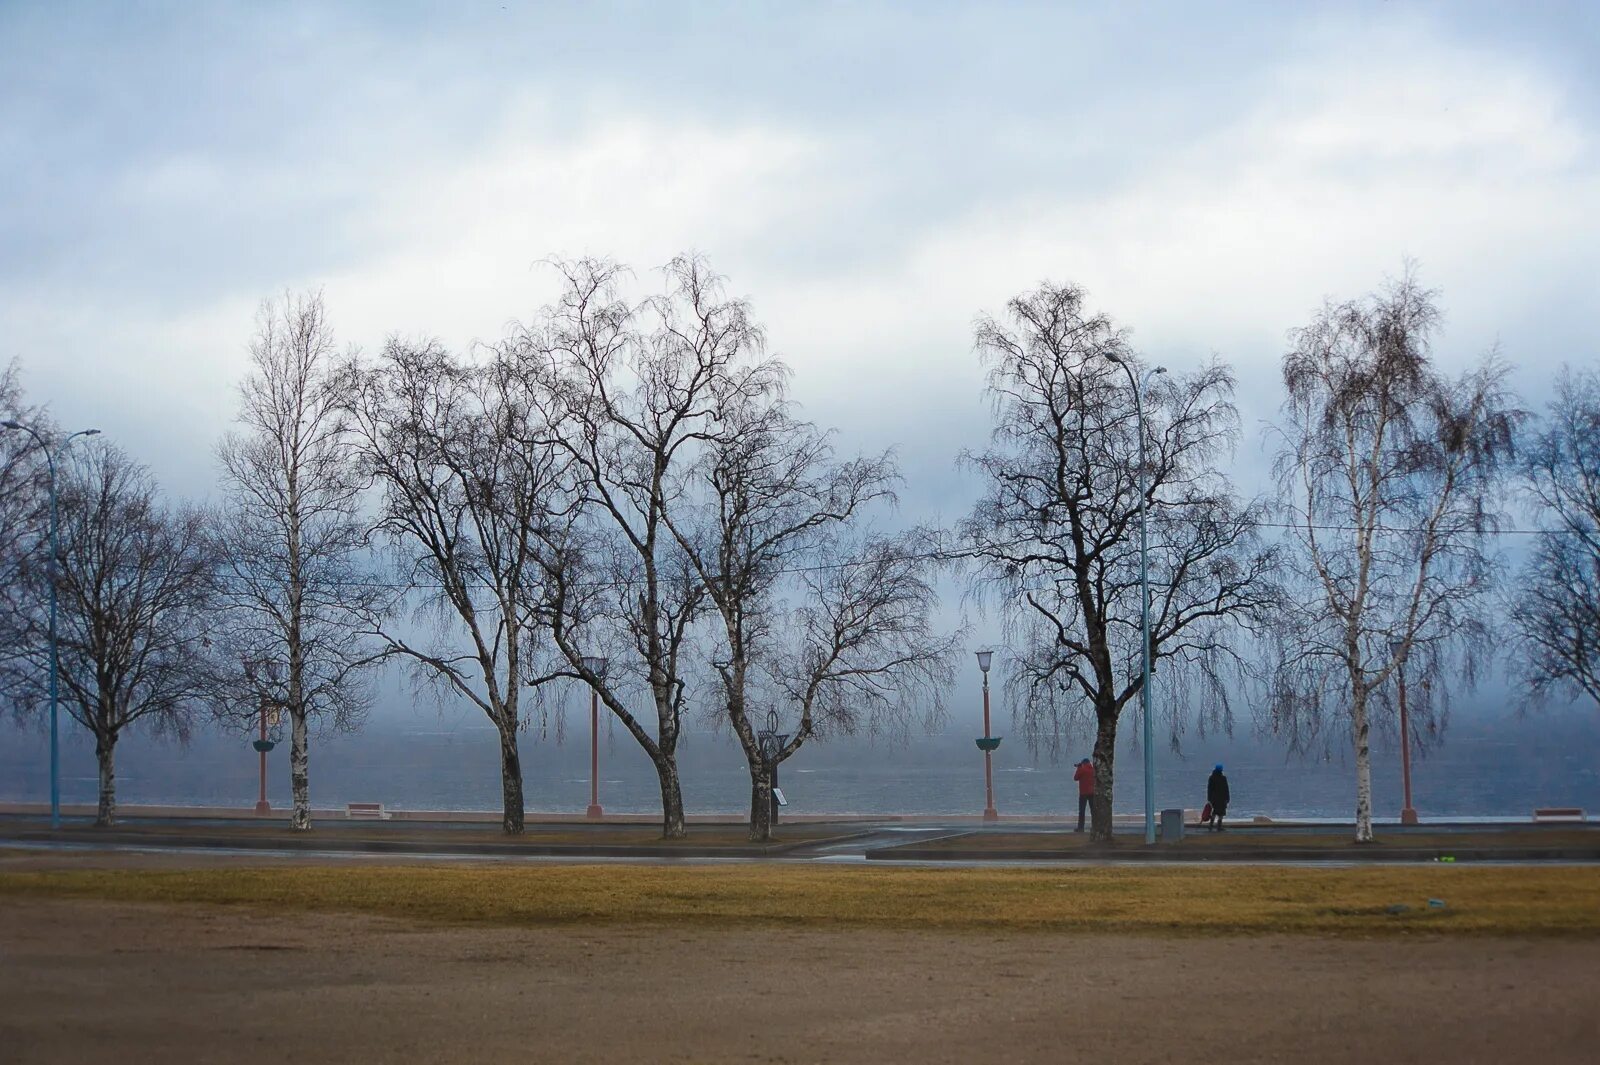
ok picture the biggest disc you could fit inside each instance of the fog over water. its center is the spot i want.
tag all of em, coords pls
(1487, 766)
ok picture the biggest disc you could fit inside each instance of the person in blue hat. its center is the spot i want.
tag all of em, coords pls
(1217, 797)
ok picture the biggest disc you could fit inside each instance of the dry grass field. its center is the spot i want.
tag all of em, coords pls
(1478, 900)
(133, 958)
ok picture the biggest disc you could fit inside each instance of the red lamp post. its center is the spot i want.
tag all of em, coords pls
(987, 743)
(264, 743)
(1408, 813)
(597, 666)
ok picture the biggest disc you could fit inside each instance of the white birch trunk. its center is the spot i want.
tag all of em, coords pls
(105, 751)
(299, 774)
(1105, 753)
(672, 822)
(511, 818)
(1362, 729)
(760, 802)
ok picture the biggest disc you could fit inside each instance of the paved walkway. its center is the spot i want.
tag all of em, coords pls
(835, 841)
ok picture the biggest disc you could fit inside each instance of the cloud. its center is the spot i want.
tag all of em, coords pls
(1469, 164)
(868, 238)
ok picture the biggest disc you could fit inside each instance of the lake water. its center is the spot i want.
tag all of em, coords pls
(426, 760)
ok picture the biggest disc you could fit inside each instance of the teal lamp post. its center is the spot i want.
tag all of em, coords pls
(987, 743)
(1144, 586)
(50, 574)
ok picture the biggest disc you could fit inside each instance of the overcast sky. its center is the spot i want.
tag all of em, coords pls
(871, 176)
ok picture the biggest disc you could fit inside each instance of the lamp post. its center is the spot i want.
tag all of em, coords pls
(50, 574)
(1144, 612)
(262, 746)
(597, 666)
(1408, 814)
(268, 706)
(771, 743)
(987, 743)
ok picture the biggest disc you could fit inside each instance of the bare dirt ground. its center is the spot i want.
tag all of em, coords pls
(90, 981)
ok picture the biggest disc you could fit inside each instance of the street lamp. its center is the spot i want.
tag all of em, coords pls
(1408, 814)
(597, 666)
(50, 573)
(987, 743)
(268, 708)
(1144, 585)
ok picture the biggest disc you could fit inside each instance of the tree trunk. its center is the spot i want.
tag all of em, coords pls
(1105, 753)
(104, 749)
(510, 782)
(299, 773)
(760, 802)
(1362, 727)
(672, 824)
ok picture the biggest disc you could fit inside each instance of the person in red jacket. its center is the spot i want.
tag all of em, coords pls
(1084, 775)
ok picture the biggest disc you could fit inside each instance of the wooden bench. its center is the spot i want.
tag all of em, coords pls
(372, 810)
(1559, 813)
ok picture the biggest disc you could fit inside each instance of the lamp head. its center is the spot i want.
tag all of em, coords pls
(1159, 369)
(984, 657)
(595, 664)
(10, 425)
(90, 432)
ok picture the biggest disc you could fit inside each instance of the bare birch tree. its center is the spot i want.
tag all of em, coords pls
(136, 584)
(1388, 478)
(470, 477)
(290, 541)
(1055, 537)
(832, 630)
(857, 648)
(637, 386)
(1555, 606)
(22, 520)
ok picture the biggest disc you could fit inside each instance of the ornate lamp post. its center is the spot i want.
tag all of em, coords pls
(1408, 814)
(771, 742)
(597, 666)
(268, 713)
(50, 575)
(262, 746)
(1144, 613)
(987, 743)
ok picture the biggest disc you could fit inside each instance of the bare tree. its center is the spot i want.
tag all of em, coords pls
(1388, 475)
(19, 473)
(470, 478)
(638, 388)
(290, 540)
(1555, 607)
(136, 584)
(857, 647)
(1055, 536)
(22, 520)
(833, 628)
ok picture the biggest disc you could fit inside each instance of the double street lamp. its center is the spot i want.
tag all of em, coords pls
(1139, 387)
(50, 574)
(262, 673)
(597, 666)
